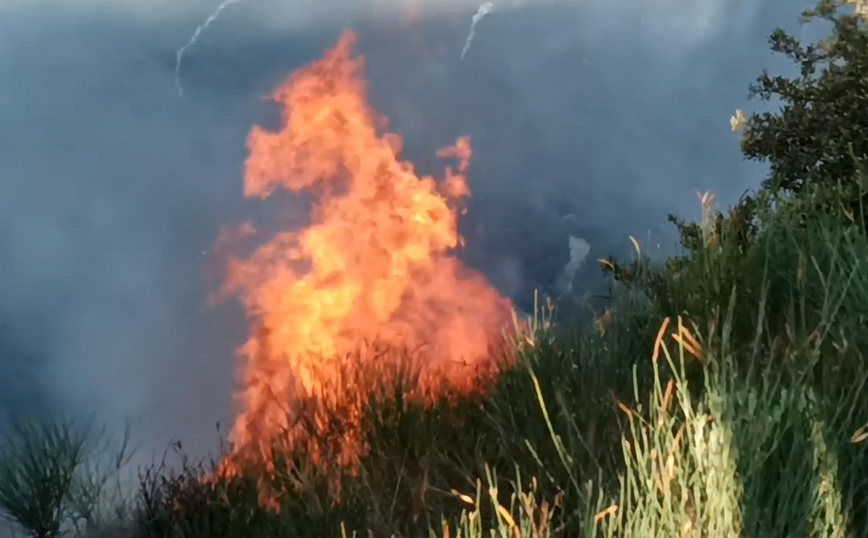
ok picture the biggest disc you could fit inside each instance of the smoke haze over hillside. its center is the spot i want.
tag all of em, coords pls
(114, 188)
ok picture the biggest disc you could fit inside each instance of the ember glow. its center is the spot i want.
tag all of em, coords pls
(375, 265)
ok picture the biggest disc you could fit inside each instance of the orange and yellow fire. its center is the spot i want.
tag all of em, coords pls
(374, 265)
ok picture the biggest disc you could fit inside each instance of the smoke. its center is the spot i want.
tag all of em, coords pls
(483, 10)
(111, 187)
(579, 250)
(670, 22)
(195, 37)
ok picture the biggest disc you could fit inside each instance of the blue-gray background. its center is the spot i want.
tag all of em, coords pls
(112, 186)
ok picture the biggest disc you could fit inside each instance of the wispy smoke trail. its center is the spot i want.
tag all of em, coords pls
(202, 27)
(579, 250)
(483, 10)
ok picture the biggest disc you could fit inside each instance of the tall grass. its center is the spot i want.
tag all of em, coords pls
(723, 394)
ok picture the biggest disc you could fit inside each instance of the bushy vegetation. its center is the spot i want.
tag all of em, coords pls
(722, 394)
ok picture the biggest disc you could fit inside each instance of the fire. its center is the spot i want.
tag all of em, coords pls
(373, 269)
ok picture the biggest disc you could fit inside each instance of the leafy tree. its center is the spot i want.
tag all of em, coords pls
(819, 135)
(816, 144)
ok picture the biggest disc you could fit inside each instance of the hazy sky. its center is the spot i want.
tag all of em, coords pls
(112, 185)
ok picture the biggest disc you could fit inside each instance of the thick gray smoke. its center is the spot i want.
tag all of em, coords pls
(590, 119)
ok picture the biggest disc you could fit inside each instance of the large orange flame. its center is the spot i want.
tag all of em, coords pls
(374, 265)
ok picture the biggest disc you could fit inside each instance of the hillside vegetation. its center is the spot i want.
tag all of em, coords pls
(721, 394)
